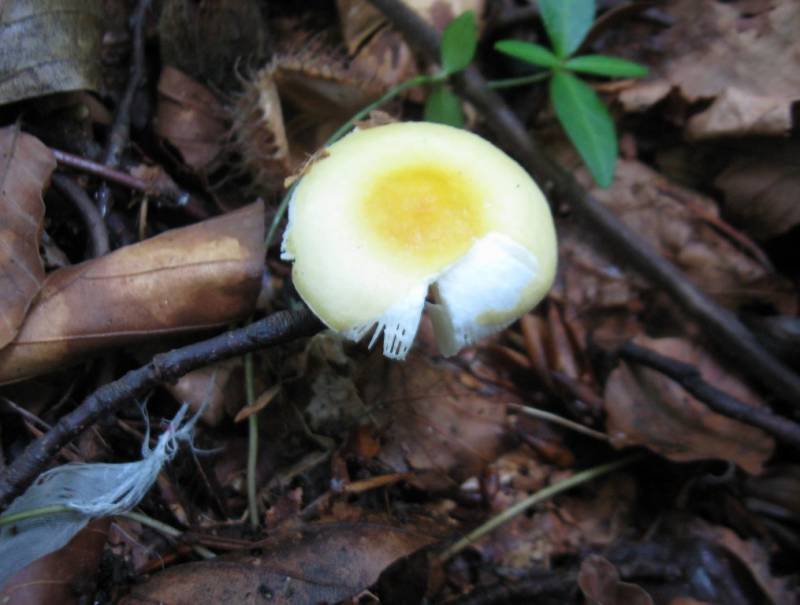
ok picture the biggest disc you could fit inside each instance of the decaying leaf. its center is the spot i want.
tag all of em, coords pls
(25, 169)
(600, 584)
(761, 189)
(594, 519)
(193, 278)
(323, 563)
(685, 227)
(190, 117)
(740, 56)
(754, 558)
(644, 407)
(66, 576)
(49, 46)
(221, 398)
(436, 426)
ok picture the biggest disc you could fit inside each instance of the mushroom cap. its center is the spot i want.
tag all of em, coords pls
(391, 210)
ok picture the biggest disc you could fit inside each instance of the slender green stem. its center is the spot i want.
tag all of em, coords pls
(252, 449)
(46, 511)
(34, 513)
(391, 94)
(279, 212)
(167, 530)
(521, 81)
(540, 496)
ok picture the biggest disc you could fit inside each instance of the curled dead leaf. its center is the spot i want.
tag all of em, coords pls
(49, 47)
(753, 556)
(190, 117)
(220, 386)
(726, 53)
(646, 408)
(66, 576)
(25, 169)
(434, 425)
(685, 227)
(600, 584)
(197, 277)
(322, 563)
(761, 189)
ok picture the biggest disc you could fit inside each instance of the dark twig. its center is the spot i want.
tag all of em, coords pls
(106, 172)
(163, 368)
(98, 234)
(690, 379)
(162, 186)
(121, 127)
(627, 247)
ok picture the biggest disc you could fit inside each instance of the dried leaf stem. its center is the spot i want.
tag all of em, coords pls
(277, 328)
(690, 379)
(730, 335)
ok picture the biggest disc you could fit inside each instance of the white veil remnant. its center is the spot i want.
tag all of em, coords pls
(64, 499)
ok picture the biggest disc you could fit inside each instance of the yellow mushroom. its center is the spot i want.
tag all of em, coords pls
(394, 210)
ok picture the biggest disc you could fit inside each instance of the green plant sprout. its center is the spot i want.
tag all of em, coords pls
(582, 114)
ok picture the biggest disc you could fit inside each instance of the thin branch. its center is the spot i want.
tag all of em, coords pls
(98, 234)
(628, 248)
(163, 368)
(163, 186)
(690, 379)
(121, 127)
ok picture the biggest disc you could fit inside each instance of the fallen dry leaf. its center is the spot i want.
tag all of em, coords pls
(644, 407)
(25, 169)
(190, 117)
(322, 563)
(49, 46)
(600, 584)
(66, 576)
(753, 556)
(434, 425)
(222, 397)
(761, 189)
(197, 277)
(596, 518)
(685, 227)
(740, 57)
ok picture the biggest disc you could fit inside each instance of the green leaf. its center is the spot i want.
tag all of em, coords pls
(567, 22)
(459, 40)
(530, 53)
(444, 107)
(588, 124)
(600, 65)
